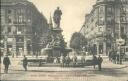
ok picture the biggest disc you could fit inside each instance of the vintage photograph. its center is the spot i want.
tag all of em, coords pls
(64, 40)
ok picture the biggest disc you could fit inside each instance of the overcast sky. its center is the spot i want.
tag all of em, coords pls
(73, 13)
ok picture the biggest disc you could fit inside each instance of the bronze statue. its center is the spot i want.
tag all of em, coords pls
(57, 17)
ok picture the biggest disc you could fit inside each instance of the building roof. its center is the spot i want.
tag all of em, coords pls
(100, 1)
(14, 2)
(26, 4)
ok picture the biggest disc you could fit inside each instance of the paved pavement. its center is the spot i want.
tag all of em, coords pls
(110, 72)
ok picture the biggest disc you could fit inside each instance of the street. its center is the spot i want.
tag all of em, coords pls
(110, 72)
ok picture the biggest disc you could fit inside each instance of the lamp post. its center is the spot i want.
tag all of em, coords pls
(120, 41)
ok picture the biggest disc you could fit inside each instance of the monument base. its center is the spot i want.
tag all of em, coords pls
(56, 53)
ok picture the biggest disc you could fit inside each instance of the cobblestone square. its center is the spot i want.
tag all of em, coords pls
(110, 72)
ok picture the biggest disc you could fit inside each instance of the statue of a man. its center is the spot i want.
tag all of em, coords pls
(57, 16)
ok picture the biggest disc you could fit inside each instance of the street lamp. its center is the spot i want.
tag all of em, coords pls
(121, 41)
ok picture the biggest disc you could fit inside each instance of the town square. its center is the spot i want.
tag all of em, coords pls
(64, 40)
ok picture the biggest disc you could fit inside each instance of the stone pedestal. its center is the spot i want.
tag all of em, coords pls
(57, 46)
(56, 53)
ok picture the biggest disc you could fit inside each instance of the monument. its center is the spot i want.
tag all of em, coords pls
(57, 17)
(57, 47)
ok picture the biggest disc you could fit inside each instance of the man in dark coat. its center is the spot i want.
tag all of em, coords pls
(110, 55)
(25, 63)
(100, 60)
(6, 62)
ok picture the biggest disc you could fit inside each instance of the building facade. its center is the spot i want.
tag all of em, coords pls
(23, 28)
(107, 22)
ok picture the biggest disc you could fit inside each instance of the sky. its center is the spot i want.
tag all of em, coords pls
(73, 11)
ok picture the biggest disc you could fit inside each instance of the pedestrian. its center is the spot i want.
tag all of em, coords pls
(67, 61)
(83, 60)
(114, 57)
(25, 63)
(100, 60)
(121, 57)
(56, 60)
(95, 60)
(117, 58)
(62, 60)
(110, 54)
(13, 55)
(6, 62)
(74, 59)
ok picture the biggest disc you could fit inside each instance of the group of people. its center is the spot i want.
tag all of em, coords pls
(65, 61)
(97, 61)
(7, 62)
(115, 57)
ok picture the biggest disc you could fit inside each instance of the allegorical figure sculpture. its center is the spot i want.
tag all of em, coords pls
(57, 17)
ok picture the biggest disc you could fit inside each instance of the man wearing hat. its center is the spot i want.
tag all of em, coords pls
(6, 62)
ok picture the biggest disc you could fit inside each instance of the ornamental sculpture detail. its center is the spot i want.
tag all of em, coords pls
(57, 17)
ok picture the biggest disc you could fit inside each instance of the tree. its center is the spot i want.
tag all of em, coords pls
(78, 41)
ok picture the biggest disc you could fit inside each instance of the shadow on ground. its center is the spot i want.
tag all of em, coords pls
(115, 72)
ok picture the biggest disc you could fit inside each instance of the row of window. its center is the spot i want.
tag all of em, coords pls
(19, 16)
(19, 19)
(14, 30)
(16, 39)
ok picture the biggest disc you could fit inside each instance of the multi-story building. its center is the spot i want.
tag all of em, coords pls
(22, 27)
(107, 22)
